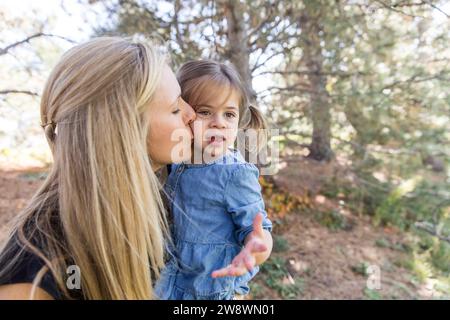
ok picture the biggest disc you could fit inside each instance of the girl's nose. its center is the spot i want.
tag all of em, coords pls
(188, 113)
(218, 122)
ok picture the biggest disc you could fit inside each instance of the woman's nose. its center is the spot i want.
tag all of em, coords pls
(188, 114)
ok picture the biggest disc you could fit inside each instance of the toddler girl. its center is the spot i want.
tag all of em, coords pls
(220, 230)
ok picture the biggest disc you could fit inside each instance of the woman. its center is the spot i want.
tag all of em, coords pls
(109, 110)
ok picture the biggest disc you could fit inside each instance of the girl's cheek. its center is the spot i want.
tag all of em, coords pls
(198, 127)
(232, 138)
(233, 131)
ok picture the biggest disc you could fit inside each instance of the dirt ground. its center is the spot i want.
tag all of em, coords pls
(16, 189)
(324, 259)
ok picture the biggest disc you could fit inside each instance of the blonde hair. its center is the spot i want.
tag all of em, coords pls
(100, 206)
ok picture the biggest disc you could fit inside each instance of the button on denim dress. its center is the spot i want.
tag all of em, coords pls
(213, 207)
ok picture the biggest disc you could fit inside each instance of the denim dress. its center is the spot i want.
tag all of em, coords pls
(213, 207)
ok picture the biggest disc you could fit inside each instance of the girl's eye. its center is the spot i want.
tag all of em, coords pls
(204, 113)
(230, 115)
(176, 111)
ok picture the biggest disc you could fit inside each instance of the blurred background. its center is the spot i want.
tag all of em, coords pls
(358, 89)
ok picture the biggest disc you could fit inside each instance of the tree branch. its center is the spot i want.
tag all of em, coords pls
(37, 35)
(4, 92)
(414, 79)
(393, 8)
(300, 87)
(306, 72)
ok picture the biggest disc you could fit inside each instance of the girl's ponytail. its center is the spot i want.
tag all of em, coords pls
(255, 121)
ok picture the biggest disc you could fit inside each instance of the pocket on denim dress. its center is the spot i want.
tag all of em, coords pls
(164, 285)
(199, 284)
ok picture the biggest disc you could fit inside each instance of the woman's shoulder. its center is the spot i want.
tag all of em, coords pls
(23, 291)
(22, 273)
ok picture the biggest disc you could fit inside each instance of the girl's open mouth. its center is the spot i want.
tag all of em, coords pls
(216, 140)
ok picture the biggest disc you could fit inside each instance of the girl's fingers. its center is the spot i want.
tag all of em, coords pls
(221, 272)
(250, 263)
(259, 247)
(256, 246)
(229, 271)
(237, 261)
(257, 225)
(245, 261)
(239, 271)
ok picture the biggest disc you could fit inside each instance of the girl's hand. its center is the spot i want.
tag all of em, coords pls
(245, 261)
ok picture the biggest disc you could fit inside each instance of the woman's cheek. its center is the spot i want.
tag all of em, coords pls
(159, 141)
(178, 143)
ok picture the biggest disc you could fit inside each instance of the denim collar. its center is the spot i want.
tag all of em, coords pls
(231, 156)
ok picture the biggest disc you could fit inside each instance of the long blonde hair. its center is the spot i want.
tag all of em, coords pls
(100, 206)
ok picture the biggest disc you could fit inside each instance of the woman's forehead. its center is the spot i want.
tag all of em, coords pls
(168, 89)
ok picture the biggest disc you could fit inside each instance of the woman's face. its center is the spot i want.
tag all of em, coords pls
(170, 137)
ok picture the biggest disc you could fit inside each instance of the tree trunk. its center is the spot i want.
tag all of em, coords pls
(320, 148)
(238, 51)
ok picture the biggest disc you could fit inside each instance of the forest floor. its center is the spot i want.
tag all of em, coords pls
(326, 251)
(311, 260)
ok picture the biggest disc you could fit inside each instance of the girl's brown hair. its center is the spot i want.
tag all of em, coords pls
(197, 78)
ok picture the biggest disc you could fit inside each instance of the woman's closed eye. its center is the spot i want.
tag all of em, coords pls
(204, 112)
(176, 106)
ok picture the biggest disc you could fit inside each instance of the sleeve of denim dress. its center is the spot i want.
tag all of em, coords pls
(244, 200)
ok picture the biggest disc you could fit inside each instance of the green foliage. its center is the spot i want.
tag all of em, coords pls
(280, 244)
(362, 198)
(371, 294)
(422, 203)
(385, 243)
(403, 205)
(361, 268)
(440, 256)
(256, 290)
(276, 275)
(382, 243)
(405, 263)
(426, 242)
(332, 219)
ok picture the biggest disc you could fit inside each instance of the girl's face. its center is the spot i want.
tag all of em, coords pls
(216, 126)
(169, 117)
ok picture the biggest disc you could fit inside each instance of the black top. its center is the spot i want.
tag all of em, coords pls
(26, 271)
(30, 264)
(28, 267)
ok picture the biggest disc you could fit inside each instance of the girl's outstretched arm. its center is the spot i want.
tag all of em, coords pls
(257, 237)
(257, 248)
